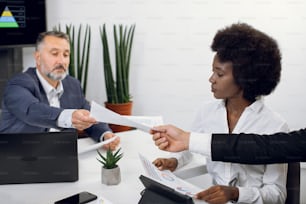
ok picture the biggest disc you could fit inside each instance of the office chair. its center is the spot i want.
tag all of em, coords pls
(293, 183)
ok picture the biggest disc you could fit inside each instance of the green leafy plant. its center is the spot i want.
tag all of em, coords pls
(79, 52)
(110, 160)
(117, 90)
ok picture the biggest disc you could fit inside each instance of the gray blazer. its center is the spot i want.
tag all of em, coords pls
(25, 107)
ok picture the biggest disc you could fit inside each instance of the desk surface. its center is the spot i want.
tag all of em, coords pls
(128, 191)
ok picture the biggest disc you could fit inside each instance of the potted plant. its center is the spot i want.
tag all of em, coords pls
(79, 52)
(117, 88)
(110, 171)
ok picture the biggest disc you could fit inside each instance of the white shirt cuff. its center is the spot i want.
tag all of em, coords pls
(200, 143)
(102, 136)
(248, 195)
(64, 119)
(183, 158)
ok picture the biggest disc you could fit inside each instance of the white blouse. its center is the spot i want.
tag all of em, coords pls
(257, 183)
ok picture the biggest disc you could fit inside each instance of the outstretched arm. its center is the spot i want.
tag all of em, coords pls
(236, 148)
(260, 149)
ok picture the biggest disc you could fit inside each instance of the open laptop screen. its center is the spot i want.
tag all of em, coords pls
(38, 157)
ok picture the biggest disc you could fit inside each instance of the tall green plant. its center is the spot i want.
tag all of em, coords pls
(79, 52)
(117, 90)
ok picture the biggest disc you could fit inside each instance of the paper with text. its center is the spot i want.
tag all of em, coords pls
(167, 178)
(105, 115)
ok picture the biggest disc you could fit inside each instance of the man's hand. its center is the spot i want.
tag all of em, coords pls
(165, 164)
(81, 119)
(170, 138)
(114, 144)
(219, 194)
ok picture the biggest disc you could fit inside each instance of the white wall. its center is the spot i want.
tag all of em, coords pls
(171, 60)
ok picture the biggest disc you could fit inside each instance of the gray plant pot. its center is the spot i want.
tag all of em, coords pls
(111, 176)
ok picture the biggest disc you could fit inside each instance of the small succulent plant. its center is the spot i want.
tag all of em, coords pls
(110, 160)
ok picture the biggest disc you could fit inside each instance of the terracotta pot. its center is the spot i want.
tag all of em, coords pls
(111, 176)
(122, 109)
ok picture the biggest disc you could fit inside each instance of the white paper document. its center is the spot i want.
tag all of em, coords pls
(95, 146)
(167, 178)
(105, 115)
(150, 121)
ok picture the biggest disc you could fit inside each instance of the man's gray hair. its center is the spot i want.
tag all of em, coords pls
(57, 34)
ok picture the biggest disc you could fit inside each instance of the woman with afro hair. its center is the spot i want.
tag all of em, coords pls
(246, 66)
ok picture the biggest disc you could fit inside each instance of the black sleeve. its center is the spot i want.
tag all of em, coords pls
(259, 149)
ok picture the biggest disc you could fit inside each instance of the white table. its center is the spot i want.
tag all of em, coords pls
(128, 191)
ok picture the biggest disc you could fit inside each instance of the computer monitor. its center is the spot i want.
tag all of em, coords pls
(21, 21)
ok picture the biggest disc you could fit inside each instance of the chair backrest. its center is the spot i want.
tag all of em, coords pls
(293, 183)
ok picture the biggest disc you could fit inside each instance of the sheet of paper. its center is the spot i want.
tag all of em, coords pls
(167, 178)
(96, 146)
(146, 120)
(105, 115)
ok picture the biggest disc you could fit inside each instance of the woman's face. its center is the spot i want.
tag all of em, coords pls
(222, 81)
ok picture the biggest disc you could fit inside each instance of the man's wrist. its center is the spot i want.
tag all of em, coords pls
(187, 136)
(102, 136)
(65, 118)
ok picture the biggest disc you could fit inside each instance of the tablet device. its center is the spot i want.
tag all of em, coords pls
(164, 191)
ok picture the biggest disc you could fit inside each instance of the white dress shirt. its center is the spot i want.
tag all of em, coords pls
(53, 95)
(256, 183)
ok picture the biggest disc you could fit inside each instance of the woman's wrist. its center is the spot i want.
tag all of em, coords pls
(234, 194)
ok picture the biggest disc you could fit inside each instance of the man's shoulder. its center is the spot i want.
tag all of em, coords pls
(70, 79)
(71, 82)
(25, 76)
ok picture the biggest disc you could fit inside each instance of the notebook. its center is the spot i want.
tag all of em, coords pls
(38, 157)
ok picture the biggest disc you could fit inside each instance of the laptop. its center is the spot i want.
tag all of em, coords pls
(38, 157)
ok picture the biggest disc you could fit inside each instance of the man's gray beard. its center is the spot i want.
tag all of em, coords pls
(56, 77)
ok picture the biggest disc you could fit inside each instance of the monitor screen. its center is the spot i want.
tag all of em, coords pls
(21, 21)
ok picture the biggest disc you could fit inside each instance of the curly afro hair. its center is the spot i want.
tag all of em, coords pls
(255, 56)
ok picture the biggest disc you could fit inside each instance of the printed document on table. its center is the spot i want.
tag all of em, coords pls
(167, 178)
(95, 146)
(105, 115)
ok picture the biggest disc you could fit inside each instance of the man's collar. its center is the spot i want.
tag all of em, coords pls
(47, 87)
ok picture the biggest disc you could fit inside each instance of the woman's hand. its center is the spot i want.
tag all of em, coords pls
(165, 163)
